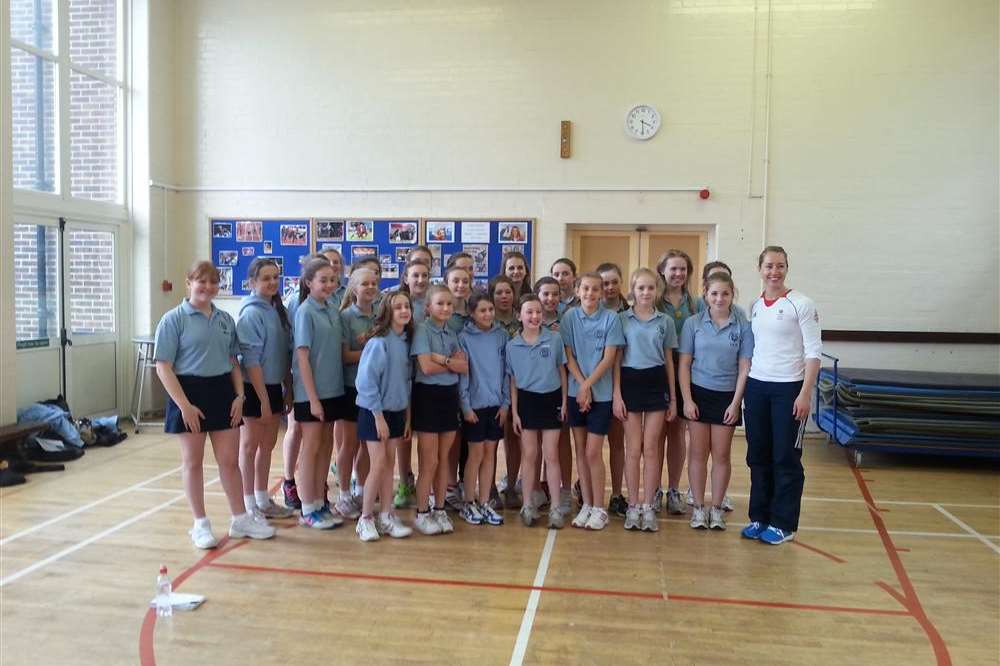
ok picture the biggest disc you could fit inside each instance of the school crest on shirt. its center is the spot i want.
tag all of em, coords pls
(545, 351)
(224, 325)
(734, 339)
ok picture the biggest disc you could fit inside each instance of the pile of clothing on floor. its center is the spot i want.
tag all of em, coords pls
(64, 439)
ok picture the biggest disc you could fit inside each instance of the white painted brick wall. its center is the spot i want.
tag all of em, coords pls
(883, 147)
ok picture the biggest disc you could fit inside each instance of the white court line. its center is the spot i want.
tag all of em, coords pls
(886, 502)
(93, 539)
(85, 507)
(967, 528)
(849, 530)
(517, 658)
(214, 493)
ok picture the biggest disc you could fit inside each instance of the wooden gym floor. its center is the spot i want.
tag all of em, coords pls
(896, 563)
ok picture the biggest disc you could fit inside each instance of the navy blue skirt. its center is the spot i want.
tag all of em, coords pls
(367, 432)
(487, 429)
(645, 389)
(275, 399)
(712, 405)
(212, 395)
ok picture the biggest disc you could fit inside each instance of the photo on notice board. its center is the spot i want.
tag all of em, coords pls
(359, 252)
(511, 248)
(226, 280)
(332, 246)
(222, 230)
(290, 288)
(513, 232)
(268, 247)
(475, 232)
(247, 251)
(329, 230)
(402, 232)
(440, 232)
(249, 232)
(360, 230)
(294, 234)
(278, 260)
(401, 253)
(245, 285)
(390, 271)
(228, 257)
(435, 260)
(480, 258)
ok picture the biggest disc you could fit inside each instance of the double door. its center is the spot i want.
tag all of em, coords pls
(632, 248)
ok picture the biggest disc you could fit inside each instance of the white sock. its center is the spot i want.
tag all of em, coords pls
(308, 507)
(249, 502)
(241, 516)
(263, 499)
(384, 515)
(359, 490)
(202, 522)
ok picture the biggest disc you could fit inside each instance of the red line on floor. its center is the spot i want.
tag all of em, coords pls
(829, 556)
(909, 598)
(147, 656)
(902, 550)
(561, 590)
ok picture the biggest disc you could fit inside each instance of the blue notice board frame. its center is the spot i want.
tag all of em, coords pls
(237, 241)
(446, 236)
(388, 239)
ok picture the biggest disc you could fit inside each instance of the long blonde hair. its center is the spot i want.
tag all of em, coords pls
(645, 272)
(351, 297)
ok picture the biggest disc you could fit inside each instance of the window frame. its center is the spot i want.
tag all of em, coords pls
(64, 202)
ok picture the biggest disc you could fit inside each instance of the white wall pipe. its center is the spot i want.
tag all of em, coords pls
(416, 188)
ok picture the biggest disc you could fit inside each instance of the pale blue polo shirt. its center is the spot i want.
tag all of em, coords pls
(384, 374)
(428, 338)
(587, 336)
(317, 328)
(680, 314)
(535, 367)
(716, 350)
(195, 344)
(355, 324)
(647, 343)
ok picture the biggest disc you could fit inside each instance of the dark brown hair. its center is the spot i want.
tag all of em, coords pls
(256, 266)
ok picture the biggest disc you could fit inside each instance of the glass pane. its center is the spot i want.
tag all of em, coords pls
(36, 305)
(33, 116)
(93, 160)
(93, 35)
(33, 22)
(91, 284)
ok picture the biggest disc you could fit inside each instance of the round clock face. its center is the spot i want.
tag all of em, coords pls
(642, 122)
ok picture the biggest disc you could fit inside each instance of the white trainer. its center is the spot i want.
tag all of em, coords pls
(202, 537)
(582, 517)
(443, 521)
(366, 529)
(699, 520)
(716, 518)
(245, 526)
(598, 519)
(346, 507)
(632, 518)
(425, 524)
(391, 524)
(274, 510)
(650, 522)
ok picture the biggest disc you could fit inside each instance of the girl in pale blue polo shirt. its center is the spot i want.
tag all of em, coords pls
(357, 316)
(645, 397)
(716, 348)
(435, 406)
(536, 366)
(318, 378)
(195, 352)
(264, 332)
(677, 301)
(383, 399)
(592, 336)
(614, 300)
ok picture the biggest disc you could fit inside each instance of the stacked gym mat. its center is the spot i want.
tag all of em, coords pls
(905, 411)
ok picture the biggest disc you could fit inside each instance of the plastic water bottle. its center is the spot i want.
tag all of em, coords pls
(163, 589)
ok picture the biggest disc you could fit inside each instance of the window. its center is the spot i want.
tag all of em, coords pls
(36, 262)
(91, 281)
(89, 68)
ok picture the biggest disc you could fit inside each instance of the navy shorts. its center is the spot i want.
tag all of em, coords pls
(275, 398)
(712, 405)
(212, 395)
(366, 425)
(351, 404)
(645, 389)
(487, 430)
(597, 420)
(539, 411)
(334, 409)
(435, 408)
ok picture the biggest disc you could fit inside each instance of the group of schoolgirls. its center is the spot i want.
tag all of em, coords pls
(358, 371)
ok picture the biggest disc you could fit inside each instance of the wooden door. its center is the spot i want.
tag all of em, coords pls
(591, 247)
(654, 243)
